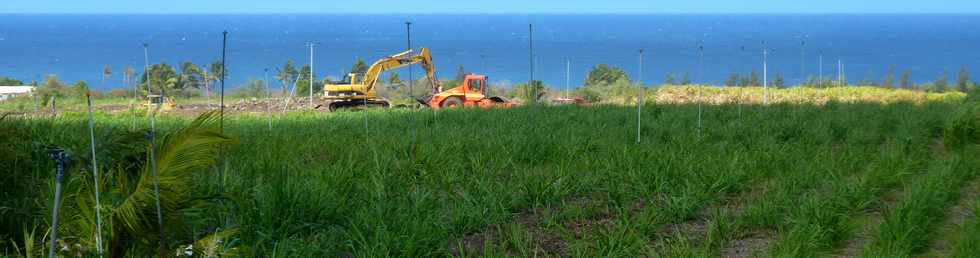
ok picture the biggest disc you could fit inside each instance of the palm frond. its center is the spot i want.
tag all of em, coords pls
(178, 155)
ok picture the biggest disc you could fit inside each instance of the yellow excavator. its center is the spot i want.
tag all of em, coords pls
(361, 91)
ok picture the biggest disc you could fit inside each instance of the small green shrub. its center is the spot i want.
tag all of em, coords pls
(963, 130)
(973, 96)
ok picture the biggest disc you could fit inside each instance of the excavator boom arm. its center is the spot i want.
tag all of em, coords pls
(400, 60)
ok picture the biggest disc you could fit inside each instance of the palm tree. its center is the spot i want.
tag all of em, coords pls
(286, 75)
(214, 72)
(128, 77)
(191, 75)
(106, 72)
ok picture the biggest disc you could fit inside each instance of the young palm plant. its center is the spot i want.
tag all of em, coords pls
(129, 204)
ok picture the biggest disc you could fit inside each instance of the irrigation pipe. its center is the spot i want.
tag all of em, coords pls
(61, 159)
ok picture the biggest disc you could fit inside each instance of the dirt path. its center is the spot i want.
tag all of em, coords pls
(752, 245)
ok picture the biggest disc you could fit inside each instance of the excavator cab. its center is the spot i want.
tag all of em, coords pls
(350, 78)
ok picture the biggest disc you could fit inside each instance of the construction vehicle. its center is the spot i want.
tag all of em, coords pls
(570, 101)
(361, 91)
(160, 102)
(472, 92)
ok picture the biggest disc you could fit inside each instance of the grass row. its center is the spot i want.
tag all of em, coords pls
(842, 175)
(968, 237)
(910, 226)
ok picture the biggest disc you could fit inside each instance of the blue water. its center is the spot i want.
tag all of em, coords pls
(76, 47)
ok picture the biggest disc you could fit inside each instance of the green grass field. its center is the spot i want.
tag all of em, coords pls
(848, 178)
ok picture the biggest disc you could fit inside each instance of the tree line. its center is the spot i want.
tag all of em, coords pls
(602, 82)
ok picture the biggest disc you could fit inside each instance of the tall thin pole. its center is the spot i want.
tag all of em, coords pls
(146, 74)
(37, 101)
(95, 175)
(741, 70)
(530, 58)
(640, 69)
(803, 61)
(820, 70)
(311, 75)
(840, 73)
(224, 70)
(156, 180)
(411, 92)
(152, 137)
(639, 98)
(411, 80)
(843, 74)
(268, 96)
(568, 76)
(700, 84)
(136, 86)
(146, 68)
(765, 74)
(802, 69)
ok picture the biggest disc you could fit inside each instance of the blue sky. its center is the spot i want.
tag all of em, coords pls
(491, 6)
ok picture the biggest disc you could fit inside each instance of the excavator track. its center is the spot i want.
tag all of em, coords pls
(357, 104)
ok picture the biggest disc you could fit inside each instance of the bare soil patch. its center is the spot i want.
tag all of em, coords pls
(546, 243)
(753, 244)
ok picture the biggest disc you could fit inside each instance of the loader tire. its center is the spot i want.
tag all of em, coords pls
(452, 102)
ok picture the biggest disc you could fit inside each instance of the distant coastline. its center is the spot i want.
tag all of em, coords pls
(78, 46)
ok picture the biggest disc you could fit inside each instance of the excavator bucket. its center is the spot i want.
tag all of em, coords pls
(499, 99)
(424, 100)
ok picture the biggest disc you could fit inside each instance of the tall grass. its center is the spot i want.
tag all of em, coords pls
(969, 235)
(908, 227)
(528, 178)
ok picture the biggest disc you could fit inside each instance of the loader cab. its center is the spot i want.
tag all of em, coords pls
(476, 84)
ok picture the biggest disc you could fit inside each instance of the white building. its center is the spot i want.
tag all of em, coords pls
(7, 92)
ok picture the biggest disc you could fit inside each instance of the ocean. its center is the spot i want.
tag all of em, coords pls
(78, 46)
